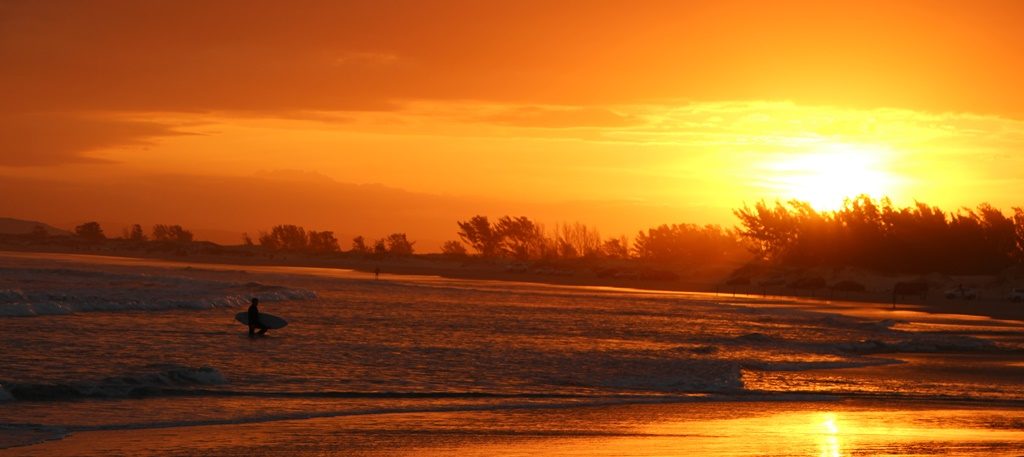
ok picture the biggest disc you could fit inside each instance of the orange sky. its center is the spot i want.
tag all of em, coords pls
(232, 116)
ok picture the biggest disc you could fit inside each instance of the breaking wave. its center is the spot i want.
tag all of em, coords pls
(164, 378)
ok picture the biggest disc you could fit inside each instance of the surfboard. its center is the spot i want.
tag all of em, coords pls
(270, 320)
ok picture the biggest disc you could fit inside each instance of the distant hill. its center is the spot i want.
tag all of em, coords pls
(11, 226)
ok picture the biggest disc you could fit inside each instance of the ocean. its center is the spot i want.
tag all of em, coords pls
(115, 356)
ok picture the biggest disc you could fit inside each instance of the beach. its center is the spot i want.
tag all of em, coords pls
(120, 356)
(991, 301)
(711, 228)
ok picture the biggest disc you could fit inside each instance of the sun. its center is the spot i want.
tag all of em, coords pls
(833, 172)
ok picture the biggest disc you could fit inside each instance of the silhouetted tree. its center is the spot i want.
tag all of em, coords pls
(267, 241)
(878, 235)
(173, 233)
(247, 240)
(398, 245)
(90, 231)
(478, 233)
(287, 237)
(577, 240)
(160, 232)
(181, 235)
(770, 231)
(686, 243)
(519, 237)
(134, 233)
(380, 247)
(323, 242)
(453, 248)
(616, 248)
(359, 245)
(1018, 232)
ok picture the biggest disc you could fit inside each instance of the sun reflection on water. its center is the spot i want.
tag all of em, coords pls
(829, 441)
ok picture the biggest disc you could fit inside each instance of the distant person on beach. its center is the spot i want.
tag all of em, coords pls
(254, 319)
(376, 273)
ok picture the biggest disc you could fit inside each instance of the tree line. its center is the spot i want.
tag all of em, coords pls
(92, 231)
(520, 238)
(280, 238)
(864, 232)
(515, 238)
(295, 239)
(880, 236)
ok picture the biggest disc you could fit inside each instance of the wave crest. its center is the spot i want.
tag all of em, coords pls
(167, 377)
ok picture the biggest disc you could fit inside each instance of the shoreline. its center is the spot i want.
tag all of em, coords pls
(698, 280)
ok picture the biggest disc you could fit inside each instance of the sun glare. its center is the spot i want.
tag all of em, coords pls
(829, 437)
(828, 175)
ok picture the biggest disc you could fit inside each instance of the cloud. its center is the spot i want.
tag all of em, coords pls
(561, 117)
(55, 139)
(327, 55)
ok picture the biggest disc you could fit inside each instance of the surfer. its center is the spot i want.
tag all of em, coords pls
(254, 318)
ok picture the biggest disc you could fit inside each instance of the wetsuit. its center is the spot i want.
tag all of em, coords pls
(254, 321)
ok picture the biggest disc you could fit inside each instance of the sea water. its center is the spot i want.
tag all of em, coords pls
(99, 344)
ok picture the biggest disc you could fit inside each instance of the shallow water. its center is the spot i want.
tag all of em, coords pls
(102, 345)
(820, 429)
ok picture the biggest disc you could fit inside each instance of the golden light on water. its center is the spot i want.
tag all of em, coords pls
(829, 432)
(839, 432)
(828, 174)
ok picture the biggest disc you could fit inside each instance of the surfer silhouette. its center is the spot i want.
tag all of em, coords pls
(254, 319)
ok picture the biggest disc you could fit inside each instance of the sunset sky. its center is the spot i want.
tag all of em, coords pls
(380, 116)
